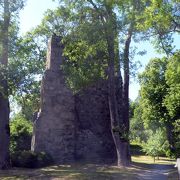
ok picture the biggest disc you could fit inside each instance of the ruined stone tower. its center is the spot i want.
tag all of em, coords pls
(72, 127)
(54, 128)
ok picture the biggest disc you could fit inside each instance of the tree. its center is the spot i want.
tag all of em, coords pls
(161, 19)
(24, 73)
(4, 102)
(160, 98)
(118, 125)
(156, 144)
(153, 90)
(172, 98)
(8, 9)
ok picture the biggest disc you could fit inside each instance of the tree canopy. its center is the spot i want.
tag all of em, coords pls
(159, 101)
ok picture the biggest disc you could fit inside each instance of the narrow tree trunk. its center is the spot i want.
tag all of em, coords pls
(114, 115)
(4, 101)
(126, 87)
(116, 123)
(115, 103)
(4, 130)
(170, 135)
(124, 144)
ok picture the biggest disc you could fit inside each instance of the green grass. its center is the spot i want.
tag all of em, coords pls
(150, 160)
(91, 171)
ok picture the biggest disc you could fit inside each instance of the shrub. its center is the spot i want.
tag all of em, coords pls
(21, 133)
(156, 145)
(177, 138)
(29, 159)
(44, 159)
(26, 159)
(136, 149)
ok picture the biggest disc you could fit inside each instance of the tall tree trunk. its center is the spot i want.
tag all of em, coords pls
(126, 86)
(115, 97)
(115, 112)
(117, 124)
(4, 101)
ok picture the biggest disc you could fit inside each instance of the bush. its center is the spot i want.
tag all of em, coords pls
(21, 133)
(26, 159)
(44, 159)
(177, 138)
(29, 159)
(156, 145)
(136, 149)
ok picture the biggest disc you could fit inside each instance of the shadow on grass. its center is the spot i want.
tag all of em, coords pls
(90, 171)
(71, 172)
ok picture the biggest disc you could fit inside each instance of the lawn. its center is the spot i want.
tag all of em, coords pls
(140, 165)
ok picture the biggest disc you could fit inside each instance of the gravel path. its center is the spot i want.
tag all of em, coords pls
(158, 172)
(154, 175)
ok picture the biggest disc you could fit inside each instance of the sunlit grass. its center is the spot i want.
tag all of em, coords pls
(150, 160)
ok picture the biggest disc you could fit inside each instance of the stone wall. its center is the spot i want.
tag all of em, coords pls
(94, 139)
(72, 127)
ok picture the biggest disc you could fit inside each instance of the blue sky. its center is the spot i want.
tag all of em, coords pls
(34, 10)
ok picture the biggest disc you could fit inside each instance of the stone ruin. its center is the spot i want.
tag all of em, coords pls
(72, 127)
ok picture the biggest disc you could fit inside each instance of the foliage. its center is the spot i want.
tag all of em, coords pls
(24, 73)
(21, 132)
(86, 58)
(156, 144)
(26, 159)
(25, 63)
(25, 67)
(177, 137)
(153, 91)
(30, 159)
(159, 101)
(84, 38)
(137, 131)
(136, 149)
(172, 99)
(13, 29)
(161, 19)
